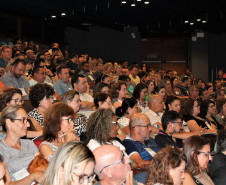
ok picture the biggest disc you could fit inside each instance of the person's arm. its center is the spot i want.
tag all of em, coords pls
(138, 160)
(185, 135)
(33, 134)
(36, 124)
(46, 151)
(188, 180)
(86, 105)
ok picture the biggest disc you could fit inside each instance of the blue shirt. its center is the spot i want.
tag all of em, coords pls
(146, 150)
(61, 87)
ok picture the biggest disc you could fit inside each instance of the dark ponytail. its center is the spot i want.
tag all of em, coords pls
(128, 102)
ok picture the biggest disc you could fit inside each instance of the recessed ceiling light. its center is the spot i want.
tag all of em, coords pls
(186, 21)
(203, 21)
(139, 0)
(123, 2)
(191, 23)
(133, 4)
(63, 14)
(53, 16)
(198, 20)
(146, 2)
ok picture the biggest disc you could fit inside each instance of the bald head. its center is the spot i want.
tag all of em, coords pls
(105, 155)
(137, 119)
(155, 103)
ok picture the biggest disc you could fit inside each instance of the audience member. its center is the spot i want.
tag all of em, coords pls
(73, 163)
(6, 52)
(62, 85)
(140, 93)
(101, 87)
(221, 110)
(102, 100)
(140, 147)
(133, 74)
(38, 75)
(118, 93)
(185, 85)
(151, 85)
(167, 167)
(193, 92)
(160, 90)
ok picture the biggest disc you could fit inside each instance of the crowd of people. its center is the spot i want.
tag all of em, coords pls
(107, 122)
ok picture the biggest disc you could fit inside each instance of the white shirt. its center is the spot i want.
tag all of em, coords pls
(154, 117)
(86, 97)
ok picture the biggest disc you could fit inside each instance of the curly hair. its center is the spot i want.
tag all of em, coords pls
(53, 118)
(38, 92)
(7, 97)
(168, 157)
(137, 90)
(194, 144)
(100, 125)
(116, 87)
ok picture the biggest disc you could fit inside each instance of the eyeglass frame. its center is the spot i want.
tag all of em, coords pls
(68, 119)
(21, 119)
(147, 126)
(207, 154)
(82, 180)
(121, 160)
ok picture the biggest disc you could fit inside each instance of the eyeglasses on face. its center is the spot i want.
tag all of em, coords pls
(121, 160)
(207, 154)
(85, 178)
(147, 126)
(108, 102)
(23, 120)
(69, 120)
(178, 122)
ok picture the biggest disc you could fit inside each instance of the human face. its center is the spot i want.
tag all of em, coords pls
(105, 89)
(115, 127)
(82, 85)
(31, 56)
(175, 82)
(20, 124)
(144, 128)
(159, 104)
(205, 95)
(134, 72)
(7, 53)
(47, 56)
(175, 105)
(195, 93)
(196, 108)
(16, 99)
(125, 71)
(177, 173)
(204, 157)
(168, 85)
(143, 93)
(177, 125)
(211, 109)
(133, 110)
(122, 92)
(81, 174)
(86, 67)
(162, 93)
(151, 87)
(100, 67)
(210, 90)
(152, 76)
(2, 173)
(106, 104)
(67, 124)
(107, 80)
(40, 77)
(46, 102)
(64, 75)
(75, 103)
(18, 70)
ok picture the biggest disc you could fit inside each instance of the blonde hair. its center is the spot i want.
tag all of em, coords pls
(69, 156)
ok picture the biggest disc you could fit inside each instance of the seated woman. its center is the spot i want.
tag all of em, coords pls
(221, 110)
(73, 163)
(72, 99)
(14, 97)
(102, 129)
(167, 167)
(41, 97)
(124, 112)
(118, 93)
(168, 87)
(102, 100)
(101, 87)
(151, 85)
(160, 90)
(139, 93)
(17, 152)
(190, 110)
(174, 83)
(197, 151)
(208, 111)
(58, 129)
(11, 97)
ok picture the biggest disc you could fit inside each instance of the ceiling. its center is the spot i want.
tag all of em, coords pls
(158, 16)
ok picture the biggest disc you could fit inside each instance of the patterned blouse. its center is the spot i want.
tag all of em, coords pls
(36, 115)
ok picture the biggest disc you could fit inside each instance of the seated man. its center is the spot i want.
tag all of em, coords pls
(156, 106)
(38, 75)
(62, 85)
(171, 123)
(15, 79)
(139, 145)
(112, 166)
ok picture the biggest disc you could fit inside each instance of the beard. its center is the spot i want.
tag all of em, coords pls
(17, 75)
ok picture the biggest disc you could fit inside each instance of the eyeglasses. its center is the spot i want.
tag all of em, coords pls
(121, 160)
(85, 178)
(108, 102)
(147, 126)
(23, 120)
(207, 154)
(178, 122)
(69, 120)
(212, 106)
(18, 101)
(50, 97)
